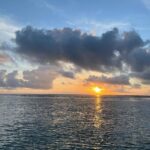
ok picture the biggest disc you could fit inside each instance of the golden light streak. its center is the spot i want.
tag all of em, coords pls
(98, 110)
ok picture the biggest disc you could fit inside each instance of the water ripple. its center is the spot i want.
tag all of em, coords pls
(70, 122)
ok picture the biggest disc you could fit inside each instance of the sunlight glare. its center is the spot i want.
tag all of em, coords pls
(97, 90)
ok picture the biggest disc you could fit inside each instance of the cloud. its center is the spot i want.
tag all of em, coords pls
(40, 78)
(9, 80)
(2, 78)
(136, 85)
(86, 51)
(144, 76)
(117, 80)
(109, 52)
(4, 58)
(139, 59)
(7, 29)
(68, 74)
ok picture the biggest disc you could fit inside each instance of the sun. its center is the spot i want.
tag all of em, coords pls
(97, 89)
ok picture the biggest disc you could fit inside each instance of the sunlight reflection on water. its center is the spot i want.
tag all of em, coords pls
(98, 110)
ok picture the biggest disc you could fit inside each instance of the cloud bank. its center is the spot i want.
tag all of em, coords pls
(40, 78)
(105, 53)
(121, 79)
(113, 51)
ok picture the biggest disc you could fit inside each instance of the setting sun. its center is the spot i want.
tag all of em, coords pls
(97, 90)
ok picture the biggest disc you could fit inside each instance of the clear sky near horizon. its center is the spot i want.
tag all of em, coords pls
(71, 46)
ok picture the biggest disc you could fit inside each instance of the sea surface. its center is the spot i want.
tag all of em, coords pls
(51, 122)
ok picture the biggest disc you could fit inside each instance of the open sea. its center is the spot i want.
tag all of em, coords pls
(69, 122)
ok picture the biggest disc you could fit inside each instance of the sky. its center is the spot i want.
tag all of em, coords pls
(71, 46)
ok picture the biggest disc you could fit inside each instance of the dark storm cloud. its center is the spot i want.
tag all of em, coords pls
(84, 50)
(120, 80)
(108, 52)
(139, 59)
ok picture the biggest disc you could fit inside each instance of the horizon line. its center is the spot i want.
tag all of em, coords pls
(111, 95)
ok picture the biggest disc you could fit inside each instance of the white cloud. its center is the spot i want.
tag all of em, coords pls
(7, 29)
(7, 32)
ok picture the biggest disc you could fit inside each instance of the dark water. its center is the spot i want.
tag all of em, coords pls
(74, 122)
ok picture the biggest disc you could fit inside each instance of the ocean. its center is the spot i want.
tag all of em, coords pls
(53, 122)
